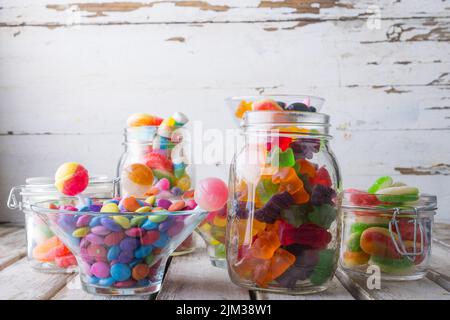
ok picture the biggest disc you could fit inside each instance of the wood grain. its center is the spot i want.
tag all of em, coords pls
(12, 247)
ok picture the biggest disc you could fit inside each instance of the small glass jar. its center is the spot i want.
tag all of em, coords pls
(45, 251)
(146, 150)
(393, 236)
(283, 233)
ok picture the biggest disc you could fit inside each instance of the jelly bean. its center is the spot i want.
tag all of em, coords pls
(113, 253)
(177, 206)
(100, 270)
(272, 209)
(354, 258)
(150, 225)
(120, 272)
(80, 232)
(266, 105)
(162, 240)
(95, 221)
(125, 257)
(142, 252)
(211, 194)
(323, 215)
(137, 221)
(143, 119)
(71, 178)
(129, 244)
(296, 215)
(282, 159)
(116, 201)
(122, 221)
(110, 224)
(107, 282)
(110, 207)
(175, 229)
(95, 239)
(392, 266)
(398, 194)
(242, 108)
(67, 222)
(164, 203)
(380, 183)
(323, 271)
(114, 238)
(83, 221)
(144, 209)
(100, 230)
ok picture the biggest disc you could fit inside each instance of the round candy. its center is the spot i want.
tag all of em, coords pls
(110, 207)
(137, 179)
(71, 178)
(163, 184)
(143, 119)
(100, 270)
(120, 272)
(140, 272)
(211, 194)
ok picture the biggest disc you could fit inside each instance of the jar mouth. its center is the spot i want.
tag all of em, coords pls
(362, 200)
(310, 100)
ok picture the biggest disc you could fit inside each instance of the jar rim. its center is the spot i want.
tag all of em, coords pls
(425, 203)
(292, 97)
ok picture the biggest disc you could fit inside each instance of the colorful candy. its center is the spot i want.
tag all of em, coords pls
(71, 178)
(211, 194)
(143, 119)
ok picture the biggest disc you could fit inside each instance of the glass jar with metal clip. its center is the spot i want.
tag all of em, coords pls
(393, 237)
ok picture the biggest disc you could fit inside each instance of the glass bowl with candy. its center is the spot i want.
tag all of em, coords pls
(388, 228)
(156, 161)
(285, 188)
(121, 244)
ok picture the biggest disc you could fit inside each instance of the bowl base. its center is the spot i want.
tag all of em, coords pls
(109, 291)
(45, 267)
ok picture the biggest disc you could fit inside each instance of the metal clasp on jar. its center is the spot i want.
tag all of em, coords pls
(399, 243)
(13, 203)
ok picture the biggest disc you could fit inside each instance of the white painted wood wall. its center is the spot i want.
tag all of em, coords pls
(71, 72)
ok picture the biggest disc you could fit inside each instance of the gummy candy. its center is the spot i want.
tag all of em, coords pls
(143, 119)
(266, 105)
(392, 266)
(380, 183)
(265, 189)
(305, 148)
(305, 167)
(282, 159)
(353, 242)
(296, 215)
(71, 178)
(211, 194)
(322, 195)
(324, 269)
(158, 161)
(299, 106)
(265, 245)
(302, 268)
(289, 181)
(353, 259)
(243, 107)
(281, 142)
(308, 234)
(360, 198)
(322, 177)
(323, 215)
(272, 210)
(398, 194)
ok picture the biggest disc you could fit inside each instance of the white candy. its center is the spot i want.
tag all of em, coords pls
(180, 118)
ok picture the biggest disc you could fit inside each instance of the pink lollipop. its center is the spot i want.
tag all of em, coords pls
(211, 194)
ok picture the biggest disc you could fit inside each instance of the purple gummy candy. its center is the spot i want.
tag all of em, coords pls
(164, 203)
(129, 244)
(95, 239)
(305, 148)
(272, 209)
(100, 230)
(110, 224)
(239, 208)
(322, 195)
(126, 257)
(301, 269)
(83, 220)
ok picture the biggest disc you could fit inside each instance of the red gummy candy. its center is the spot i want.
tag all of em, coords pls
(308, 234)
(158, 161)
(361, 198)
(322, 177)
(66, 261)
(283, 143)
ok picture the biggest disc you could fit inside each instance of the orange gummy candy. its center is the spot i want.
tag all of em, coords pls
(289, 181)
(306, 168)
(280, 262)
(243, 107)
(265, 245)
(244, 229)
(42, 250)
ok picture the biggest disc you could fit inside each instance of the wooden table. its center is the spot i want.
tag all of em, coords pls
(193, 277)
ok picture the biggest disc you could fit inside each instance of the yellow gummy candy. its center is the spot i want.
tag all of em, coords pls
(243, 107)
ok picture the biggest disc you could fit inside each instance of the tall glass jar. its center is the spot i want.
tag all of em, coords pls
(165, 158)
(395, 237)
(283, 230)
(45, 251)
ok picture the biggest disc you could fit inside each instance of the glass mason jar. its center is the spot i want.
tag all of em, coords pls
(166, 158)
(283, 230)
(45, 251)
(396, 237)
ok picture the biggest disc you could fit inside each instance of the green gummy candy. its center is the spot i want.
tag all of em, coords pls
(160, 174)
(179, 173)
(380, 183)
(296, 215)
(325, 268)
(391, 265)
(353, 243)
(359, 227)
(219, 251)
(266, 189)
(323, 215)
(282, 159)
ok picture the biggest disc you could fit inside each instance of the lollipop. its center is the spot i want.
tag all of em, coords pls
(211, 194)
(137, 179)
(71, 178)
(143, 119)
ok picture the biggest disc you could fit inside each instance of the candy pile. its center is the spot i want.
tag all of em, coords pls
(160, 165)
(369, 240)
(271, 105)
(284, 213)
(123, 242)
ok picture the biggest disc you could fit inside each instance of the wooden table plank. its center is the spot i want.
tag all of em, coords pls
(73, 291)
(5, 229)
(20, 282)
(336, 291)
(424, 289)
(440, 266)
(193, 277)
(12, 247)
(441, 234)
